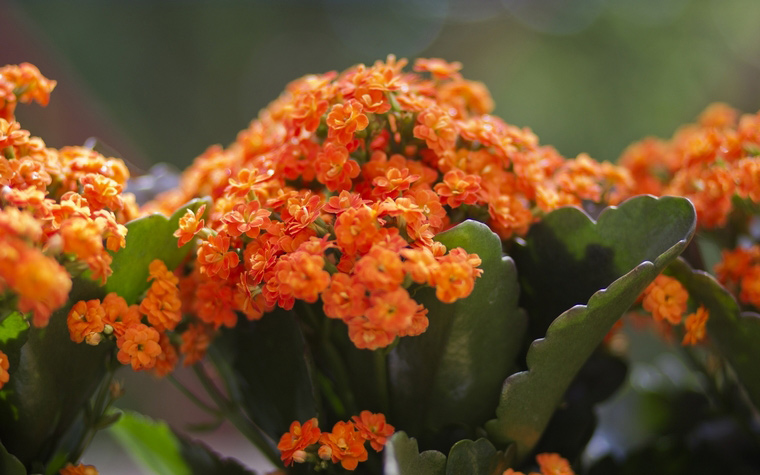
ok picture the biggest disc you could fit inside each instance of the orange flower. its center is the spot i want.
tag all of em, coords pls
(80, 469)
(459, 188)
(189, 225)
(162, 304)
(391, 311)
(553, 464)
(665, 298)
(437, 129)
(167, 359)
(246, 218)
(42, 285)
(439, 68)
(344, 444)
(85, 320)
(102, 192)
(297, 439)
(344, 298)
(366, 335)
(215, 257)
(372, 427)
(139, 346)
(4, 365)
(334, 167)
(750, 287)
(695, 326)
(118, 315)
(344, 120)
(380, 269)
(393, 183)
(195, 342)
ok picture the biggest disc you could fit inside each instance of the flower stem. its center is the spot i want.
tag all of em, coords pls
(232, 413)
(192, 397)
(381, 375)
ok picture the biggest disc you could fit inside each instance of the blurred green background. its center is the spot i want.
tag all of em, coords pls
(162, 80)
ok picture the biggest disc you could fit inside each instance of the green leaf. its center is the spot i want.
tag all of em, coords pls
(447, 381)
(148, 238)
(563, 258)
(271, 368)
(14, 331)
(477, 458)
(736, 334)
(10, 465)
(51, 382)
(402, 457)
(156, 448)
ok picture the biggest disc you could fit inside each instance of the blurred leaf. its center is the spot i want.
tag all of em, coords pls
(636, 241)
(14, 331)
(148, 238)
(477, 458)
(448, 379)
(50, 384)
(272, 369)
(736, 334)
(155, 447)
(10, 465)
(402, 457)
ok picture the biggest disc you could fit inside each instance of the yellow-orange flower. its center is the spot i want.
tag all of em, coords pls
(189, 225)
(695, 326)
(139, 347)
(665, 299)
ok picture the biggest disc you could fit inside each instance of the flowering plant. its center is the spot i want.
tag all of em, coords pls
(376, 276)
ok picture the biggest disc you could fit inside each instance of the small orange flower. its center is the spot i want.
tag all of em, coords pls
(246, 218)
(665, 299)
(215, 257)
(4, 365)
(344, 120)
(189, 225)
(437, 129)
(298, 438)
(118, 315)
(167, 359)
(372, 427)
(459, 189)
(139, 346)
(391, 311)
(750, 287)
(553, 464)
(195, 342)
(439, 68)
(366, 335)
(344, 444)
(344, 298)
(334, 167)
(380, 269)
(80, 469)
(695, 326)
(85, 318)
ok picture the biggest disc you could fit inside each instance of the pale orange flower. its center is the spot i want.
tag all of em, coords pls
(139, 347)
(665, 299)
(85, 319)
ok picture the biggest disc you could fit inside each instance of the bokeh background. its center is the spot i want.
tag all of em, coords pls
(159, 81)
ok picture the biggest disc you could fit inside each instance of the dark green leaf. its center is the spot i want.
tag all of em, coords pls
(447, 380)
(156, 448)
(476, 458)
(402, 457)
(10, 465)
(50, 384)
(272, 371)
(148, 238)
(735, 334)
(563, 259)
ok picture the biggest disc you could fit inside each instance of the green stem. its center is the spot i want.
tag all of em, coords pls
(381, 375)
(232, 413)
(338, 367)
(192, 397)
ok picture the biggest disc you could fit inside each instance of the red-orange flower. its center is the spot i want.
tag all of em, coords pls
(139, 347)
(344, 120)
(344, 298)
(334, 167)
(4, 366)
(553, 464)
(372, 427)
(215, 257)
(297, 439)
(344, 444)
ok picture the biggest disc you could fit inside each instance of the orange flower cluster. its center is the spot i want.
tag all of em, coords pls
(710, 163)
(345, 444)
(60, 210)
(336, 192)
(549, 464)
(666, 299)
(142, 331)
(739, 271)
(80, 469)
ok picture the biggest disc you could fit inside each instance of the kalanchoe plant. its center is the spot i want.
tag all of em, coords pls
(378, 276)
